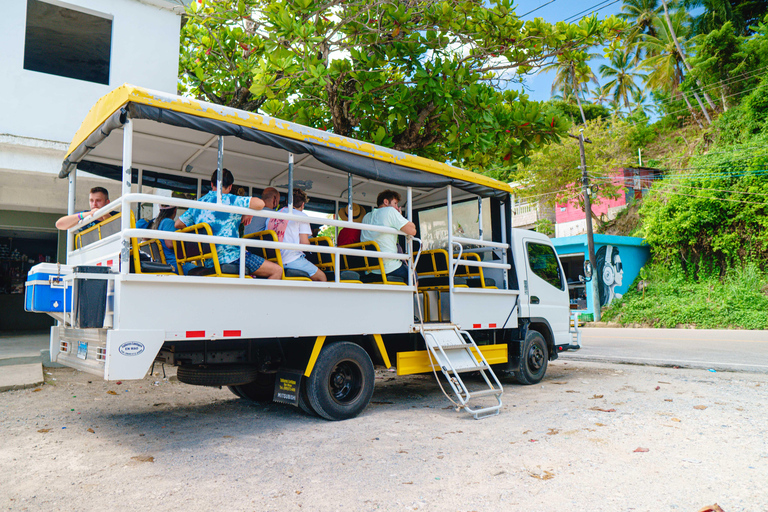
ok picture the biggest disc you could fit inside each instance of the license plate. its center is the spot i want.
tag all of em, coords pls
(82, 350)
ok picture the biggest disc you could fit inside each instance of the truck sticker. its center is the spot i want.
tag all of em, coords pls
(131, 348)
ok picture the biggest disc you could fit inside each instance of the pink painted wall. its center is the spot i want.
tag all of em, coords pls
(571, 211)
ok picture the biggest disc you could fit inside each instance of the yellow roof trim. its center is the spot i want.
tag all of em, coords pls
(126, 93)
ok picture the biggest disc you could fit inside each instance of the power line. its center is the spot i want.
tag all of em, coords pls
(593, 8)
(536, 9)
(695, 187)
(714, 198)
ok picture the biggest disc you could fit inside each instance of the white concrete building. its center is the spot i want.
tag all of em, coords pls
(58, 58)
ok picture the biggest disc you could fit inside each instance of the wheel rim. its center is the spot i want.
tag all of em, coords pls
(345, 382)
(535, 357)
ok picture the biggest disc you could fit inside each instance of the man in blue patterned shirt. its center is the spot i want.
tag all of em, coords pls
(227, 224)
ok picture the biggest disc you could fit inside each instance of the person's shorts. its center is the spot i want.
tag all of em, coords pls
(303, 265)
(252, 262)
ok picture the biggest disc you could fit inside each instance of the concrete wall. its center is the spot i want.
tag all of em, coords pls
(145, 49)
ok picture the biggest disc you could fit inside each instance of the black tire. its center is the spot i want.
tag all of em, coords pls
(341, 383)
(304, 404)
(260, 390)
(533, 361)
(217, 375)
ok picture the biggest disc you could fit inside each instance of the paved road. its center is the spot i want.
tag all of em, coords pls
(723, 350)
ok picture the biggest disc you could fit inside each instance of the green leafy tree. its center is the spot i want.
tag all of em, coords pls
(742, 14)
(642, 16)
(427, 77)
(572, 76)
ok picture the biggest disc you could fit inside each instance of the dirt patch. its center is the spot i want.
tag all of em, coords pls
(569, 443)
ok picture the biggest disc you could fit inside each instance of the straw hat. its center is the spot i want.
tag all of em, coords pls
(357, 211)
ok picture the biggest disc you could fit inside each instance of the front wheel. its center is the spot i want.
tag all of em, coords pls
(341, 383)
(533, 363)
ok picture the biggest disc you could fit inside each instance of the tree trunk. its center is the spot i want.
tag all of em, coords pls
(682, 56)
(690, 109)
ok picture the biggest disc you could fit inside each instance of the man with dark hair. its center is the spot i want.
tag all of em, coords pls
(97, 199)
(294, 232)
(387, 213)
(271, 198)
(227, 224)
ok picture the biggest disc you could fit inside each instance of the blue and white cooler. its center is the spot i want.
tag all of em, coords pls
(44, 289)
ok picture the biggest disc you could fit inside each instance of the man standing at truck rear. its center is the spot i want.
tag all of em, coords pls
(227, 224)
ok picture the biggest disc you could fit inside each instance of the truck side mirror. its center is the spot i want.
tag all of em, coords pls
(587, 271)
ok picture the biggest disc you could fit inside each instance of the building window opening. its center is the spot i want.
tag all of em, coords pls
(67, 42)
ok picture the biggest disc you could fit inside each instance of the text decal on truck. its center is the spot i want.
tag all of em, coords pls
(131, 348)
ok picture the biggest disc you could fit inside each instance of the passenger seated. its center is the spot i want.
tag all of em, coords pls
(165, 222)
(349, 236)
(294, 232)
(97, 199)
(227, 224)
(387, 213)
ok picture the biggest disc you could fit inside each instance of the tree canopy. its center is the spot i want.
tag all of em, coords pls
(434, 78)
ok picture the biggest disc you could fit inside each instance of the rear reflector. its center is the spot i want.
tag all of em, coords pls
(195, 334)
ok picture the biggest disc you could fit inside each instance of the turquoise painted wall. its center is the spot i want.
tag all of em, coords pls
(630, 251)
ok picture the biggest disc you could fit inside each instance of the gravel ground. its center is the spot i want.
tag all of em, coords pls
(591, 436)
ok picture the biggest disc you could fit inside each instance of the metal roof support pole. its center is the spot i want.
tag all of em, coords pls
(71, 207)
(480, 218)
(125, 219)
(199, 188)
(290, 183)
(140, 190)
(504, 252)
(336, 257)
(409, 199)
(350, 209)
(219, 168)
(451, 266)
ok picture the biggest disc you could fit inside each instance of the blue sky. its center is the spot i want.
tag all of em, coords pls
(539, 86)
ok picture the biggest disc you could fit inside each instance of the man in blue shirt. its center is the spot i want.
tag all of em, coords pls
(227, 224)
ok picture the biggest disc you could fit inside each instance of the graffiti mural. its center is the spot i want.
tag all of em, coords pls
(610, 273)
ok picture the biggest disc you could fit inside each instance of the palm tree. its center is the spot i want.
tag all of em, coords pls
(572, 74)
(640, 103)
(641, 14)
(623, 77)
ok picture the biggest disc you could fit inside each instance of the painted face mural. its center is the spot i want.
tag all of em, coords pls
(610, 273)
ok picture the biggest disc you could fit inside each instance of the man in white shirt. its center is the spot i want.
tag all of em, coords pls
(387, 213)
(294, 232)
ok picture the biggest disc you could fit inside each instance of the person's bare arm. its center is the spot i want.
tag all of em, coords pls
(178, 224)
(256, 203)
(303, 239)
(69, 221)
(409, 229)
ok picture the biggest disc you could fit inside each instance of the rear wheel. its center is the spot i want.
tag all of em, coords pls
(341, 384)
(533, 364)
(260, 390)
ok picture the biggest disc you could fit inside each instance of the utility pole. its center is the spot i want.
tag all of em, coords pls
(590, 235)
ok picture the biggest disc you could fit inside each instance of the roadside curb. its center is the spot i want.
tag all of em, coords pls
(21, 376)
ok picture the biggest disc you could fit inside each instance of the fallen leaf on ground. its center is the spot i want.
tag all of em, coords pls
(662, 382)
(533, 440)
(559, 383)
(676, 420)
(667, 399)
(712, 508)
(91, 431)
(44, 430)
(36, 390)
(595, 396)
(157, 404)
(546, 475)
(700, 407)
(527, 431)
(572, 391)
(110, 392)
(143, 458)
(407, 483)
(658, 388)
(641, 450)
(552, 432)
(601, 410)
(402, 451)
(600, 424)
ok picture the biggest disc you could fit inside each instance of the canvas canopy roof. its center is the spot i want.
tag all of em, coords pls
(179, 136)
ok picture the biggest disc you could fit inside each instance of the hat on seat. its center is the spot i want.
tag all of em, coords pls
(357, 211)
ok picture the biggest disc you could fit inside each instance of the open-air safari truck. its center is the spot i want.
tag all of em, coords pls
(489, 297)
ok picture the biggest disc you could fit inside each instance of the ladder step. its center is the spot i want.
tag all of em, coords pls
(486, 412)
(469, 368)
(485, 392)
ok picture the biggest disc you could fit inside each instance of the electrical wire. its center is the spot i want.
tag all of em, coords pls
(595, 7)
(536, 9)
(696, 187)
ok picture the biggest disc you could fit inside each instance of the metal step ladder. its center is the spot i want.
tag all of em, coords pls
(455, 352)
